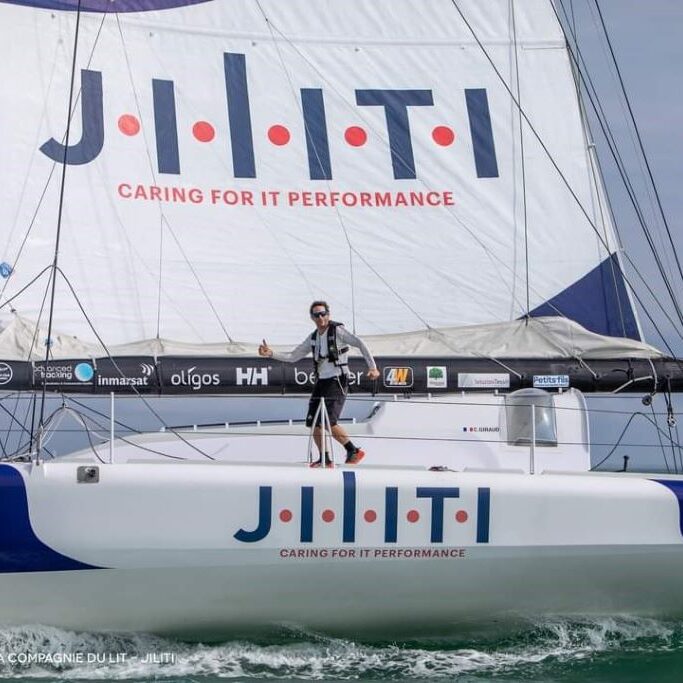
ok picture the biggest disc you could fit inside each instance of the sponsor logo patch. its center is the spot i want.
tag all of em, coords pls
(6, 373)
(251, 377)
(437, 377)
(551, 381)
(398, 377)
(483, 380)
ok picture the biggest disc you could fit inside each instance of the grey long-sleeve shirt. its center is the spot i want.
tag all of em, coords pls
(326, 369)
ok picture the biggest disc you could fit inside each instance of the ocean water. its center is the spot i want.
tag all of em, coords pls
(621, 649)
(625, 649)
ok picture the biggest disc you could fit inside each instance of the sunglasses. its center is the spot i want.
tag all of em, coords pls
(319, 314)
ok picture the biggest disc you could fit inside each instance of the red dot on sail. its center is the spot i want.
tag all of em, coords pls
(355, 136)
(285, 515)
(203, 131)
(278, 135)
(443, 135)
(328, 515)
(370, 516)
(413, 516)
(129, 124)
(461, 516)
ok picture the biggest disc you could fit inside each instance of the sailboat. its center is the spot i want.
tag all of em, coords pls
(214, 166)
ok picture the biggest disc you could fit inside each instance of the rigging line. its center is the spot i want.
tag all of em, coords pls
(27, 175)
(521, 147)
(24, 288)
(162, 214)
(661, 445)
(161, 264)
(85, 406)
(494, 258)
(558, 170)
(196, 277)
(128, 441)
(639, 138)
(595, 171)
(122, 374)
(310, 137)
(52, 170)
(594, 99)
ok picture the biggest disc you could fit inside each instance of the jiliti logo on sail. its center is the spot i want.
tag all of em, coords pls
(399, 107)
(397, 515)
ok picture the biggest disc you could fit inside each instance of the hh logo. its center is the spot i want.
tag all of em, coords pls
(251, 377)
(398, 377)
(398, 106)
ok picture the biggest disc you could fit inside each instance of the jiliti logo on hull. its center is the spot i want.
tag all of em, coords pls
(398, 105)
(397, 515)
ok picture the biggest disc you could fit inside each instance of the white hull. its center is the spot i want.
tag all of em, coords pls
(164, 535)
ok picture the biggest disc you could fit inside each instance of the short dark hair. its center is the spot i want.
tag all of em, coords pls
(318, 303)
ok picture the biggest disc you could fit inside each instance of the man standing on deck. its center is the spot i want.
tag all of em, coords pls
(329, 345)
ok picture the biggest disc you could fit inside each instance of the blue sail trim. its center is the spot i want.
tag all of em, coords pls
(20, 549)
(105, 5)
(598, 301)
(676, 487)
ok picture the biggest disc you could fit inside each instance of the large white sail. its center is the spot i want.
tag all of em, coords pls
(232, 160)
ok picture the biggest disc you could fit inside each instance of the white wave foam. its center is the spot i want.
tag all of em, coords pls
(44, 652)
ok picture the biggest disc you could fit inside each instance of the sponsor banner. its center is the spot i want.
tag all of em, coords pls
(398, 377)
(252, 375)
(437, 377)
(551, 381)
(483, 380)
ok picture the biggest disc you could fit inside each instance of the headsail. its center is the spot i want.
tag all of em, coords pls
(232, 160)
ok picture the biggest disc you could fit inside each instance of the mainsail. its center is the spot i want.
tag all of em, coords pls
(418, 165)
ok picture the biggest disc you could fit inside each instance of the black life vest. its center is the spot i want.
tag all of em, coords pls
(333, 350)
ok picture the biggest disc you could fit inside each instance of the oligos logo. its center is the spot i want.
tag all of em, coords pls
(195, 380)
(105, 5)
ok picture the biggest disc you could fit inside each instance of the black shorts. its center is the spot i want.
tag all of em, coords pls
(333, 390)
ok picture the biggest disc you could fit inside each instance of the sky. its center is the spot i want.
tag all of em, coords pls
(647, 38)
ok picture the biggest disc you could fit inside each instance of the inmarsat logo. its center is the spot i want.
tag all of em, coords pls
(146, 369)
(251, 376)
(195, 380)
(398, 104)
